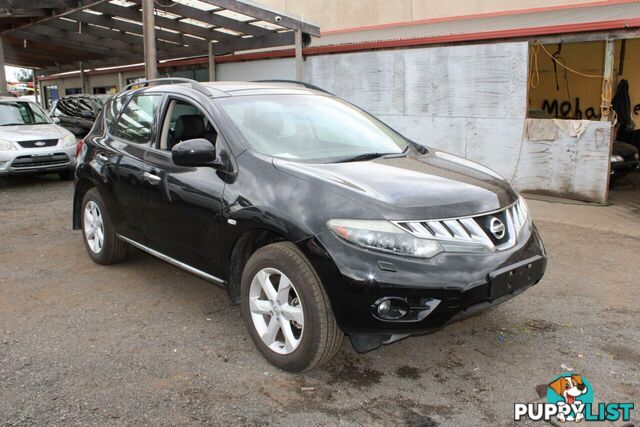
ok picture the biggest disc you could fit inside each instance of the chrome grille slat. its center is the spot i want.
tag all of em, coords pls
(439, 230)
(458, 230)
(468, 230)
(477, 234)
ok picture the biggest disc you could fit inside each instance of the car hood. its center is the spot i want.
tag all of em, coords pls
(31, 132)
(431, 186)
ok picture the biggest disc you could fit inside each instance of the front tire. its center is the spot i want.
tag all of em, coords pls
(100, 239)
(286, 310)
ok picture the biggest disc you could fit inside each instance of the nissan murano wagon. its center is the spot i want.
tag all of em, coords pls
(318, 219)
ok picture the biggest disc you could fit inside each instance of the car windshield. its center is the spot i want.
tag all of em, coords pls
(310, 128)
(22, 113)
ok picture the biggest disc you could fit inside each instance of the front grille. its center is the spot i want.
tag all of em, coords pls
(473, 230)
(35, 161)
(38, 143)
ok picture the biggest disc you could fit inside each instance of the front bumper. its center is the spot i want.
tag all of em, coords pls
(37, 160)
(463, 284)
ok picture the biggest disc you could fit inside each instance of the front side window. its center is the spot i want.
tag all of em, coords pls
(22, 113)
(184, 121)
(309, 128)
(135, 122)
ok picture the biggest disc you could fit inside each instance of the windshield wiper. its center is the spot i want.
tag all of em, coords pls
(360, 157)
(370, 156)
(12, 124)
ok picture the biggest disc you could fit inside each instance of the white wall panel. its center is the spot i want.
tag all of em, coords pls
(371, 80)
(279, 69)
(467, 81)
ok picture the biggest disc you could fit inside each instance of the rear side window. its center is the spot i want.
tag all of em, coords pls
(114, 108)
(136, 120)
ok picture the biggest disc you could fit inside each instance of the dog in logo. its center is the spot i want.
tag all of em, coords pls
(569, 388)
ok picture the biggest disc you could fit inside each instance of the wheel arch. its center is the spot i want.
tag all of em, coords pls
(82, 186)
(244, 246)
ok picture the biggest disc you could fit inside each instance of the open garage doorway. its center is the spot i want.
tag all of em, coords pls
(567, 86)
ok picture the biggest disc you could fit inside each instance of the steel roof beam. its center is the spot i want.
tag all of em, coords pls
(109, 22)
(216, 20)
(84, 38)
(105, 33)
(171, 24)
(263, 13)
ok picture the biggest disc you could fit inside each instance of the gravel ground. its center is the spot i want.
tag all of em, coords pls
(143, 343)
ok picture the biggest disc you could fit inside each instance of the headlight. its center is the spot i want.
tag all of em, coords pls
(383, 236)
(6, 145)
(68, 140)
(616, 158)
(637, 156)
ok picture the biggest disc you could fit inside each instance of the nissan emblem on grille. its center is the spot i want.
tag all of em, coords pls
(497, 228)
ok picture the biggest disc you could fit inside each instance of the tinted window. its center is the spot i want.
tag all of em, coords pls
(66, 107)
(135, 121)
(114, 108)
(21, 113)
(185, 121)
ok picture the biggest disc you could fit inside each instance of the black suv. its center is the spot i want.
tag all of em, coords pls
(317, 218)
(76, 113)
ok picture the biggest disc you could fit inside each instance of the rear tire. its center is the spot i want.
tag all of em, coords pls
(306, 333)
(100, 239)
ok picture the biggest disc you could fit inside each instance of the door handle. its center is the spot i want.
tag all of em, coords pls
(150, 178)
(102, 157)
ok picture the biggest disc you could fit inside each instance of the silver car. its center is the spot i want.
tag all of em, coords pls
(31, 143)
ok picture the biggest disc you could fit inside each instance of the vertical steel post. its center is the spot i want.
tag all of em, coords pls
(43, 102)
(607, 84)
(299, 59)
(83, 79)
(149, 33)
(212, 63)
(120, 82)
(35, 84)
(3, 76)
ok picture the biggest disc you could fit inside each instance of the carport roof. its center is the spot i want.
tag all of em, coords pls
(55, 35)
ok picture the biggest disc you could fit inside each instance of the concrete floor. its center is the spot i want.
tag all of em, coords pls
(143, 343)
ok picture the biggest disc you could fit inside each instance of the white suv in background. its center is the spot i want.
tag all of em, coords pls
(31, 143)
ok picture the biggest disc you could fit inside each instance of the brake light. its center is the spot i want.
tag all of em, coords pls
(79, 146)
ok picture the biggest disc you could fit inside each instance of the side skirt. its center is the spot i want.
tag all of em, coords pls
(172, 261)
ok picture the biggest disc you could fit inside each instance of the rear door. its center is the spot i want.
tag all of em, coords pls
(123, 153)
(183, 205)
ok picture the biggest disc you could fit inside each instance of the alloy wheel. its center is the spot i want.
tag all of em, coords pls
(93, 226)
(276, 311)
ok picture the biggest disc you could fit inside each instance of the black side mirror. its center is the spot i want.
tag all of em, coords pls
(195, 152)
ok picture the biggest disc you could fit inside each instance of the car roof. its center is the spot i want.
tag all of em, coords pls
(13, 99)
(238, 88)
(83, 95)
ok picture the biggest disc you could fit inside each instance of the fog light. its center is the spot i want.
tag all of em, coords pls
(391, 308)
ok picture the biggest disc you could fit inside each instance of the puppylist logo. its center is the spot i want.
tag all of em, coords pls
(570, 398)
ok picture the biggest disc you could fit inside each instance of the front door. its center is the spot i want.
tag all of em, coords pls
(183, 205)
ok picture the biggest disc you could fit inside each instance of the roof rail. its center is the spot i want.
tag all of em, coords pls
(168, 80)
(296, 82)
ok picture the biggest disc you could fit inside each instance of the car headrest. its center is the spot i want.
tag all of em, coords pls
(270, 124)
(189, 126)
